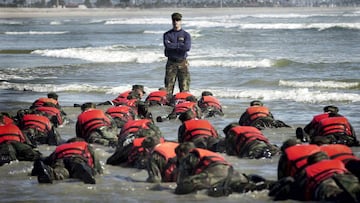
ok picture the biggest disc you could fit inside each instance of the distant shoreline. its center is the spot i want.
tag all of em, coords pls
(121, 12)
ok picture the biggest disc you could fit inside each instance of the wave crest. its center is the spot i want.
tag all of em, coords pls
(320, 84)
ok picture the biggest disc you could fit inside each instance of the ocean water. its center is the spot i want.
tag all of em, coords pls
(295, 60)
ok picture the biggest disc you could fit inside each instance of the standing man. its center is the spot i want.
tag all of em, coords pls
(177, 43)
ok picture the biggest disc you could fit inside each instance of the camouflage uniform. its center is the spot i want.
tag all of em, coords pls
(180, 70)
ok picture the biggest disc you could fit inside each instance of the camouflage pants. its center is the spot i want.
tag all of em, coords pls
(179, 70)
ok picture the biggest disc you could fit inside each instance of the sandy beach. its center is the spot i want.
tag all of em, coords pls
(118, 12)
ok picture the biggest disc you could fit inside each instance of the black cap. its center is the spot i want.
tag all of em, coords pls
(256, 103)
(176, 16)
(331, 109)
(138, 87)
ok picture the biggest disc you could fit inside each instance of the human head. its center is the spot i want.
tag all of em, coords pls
(176, 16)
(229, 127)
(331, 109)
(52, 95)
(143, 110)
(288, 143)
(256, 103)
(150, 142)
(139, 89)
(88, 105)
(191, 98)
(187, 115)
(176, 20)
(75, 139)
(183, 149)
(206, 93)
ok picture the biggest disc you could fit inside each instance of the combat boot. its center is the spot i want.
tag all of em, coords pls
(44, 172)
(83, 172)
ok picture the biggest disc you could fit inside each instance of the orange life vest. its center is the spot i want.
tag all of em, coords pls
(123, 112)
(320, 171)
(75, 148)
(319, 117)
(334, 125)
(246, 134)
(41, 101)
(137, 149)
(315, 123)
(297, 157)
(338, 151)
(8, 120)
(50, 112)
(209, 101)
(198, 128)
(34, 121)
(181, 97)
(91, 120)
(121, 98)
(158, 96)
(167, 151)
(206, 159)
(184, 106)
(11, 132)
(133, 126)
(255, 112)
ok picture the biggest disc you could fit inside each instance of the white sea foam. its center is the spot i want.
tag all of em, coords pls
(299, 95)
(56, 23)
(193, 32)
(135, 21)
(10, 22)
(52, 87)
(321, 84)
(292, 26)
(233, 63)
(37, 33)
(105, 54)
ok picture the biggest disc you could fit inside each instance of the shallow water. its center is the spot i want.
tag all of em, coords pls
(295, 60)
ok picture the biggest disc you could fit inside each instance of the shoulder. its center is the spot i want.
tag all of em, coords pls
(169, 31)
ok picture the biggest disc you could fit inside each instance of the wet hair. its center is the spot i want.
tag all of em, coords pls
(288, 143)
(191, 98)
(150, 142)
(87, 105)
(229, 127)
(206, 93)
(187, 115)
(256, 103)
(331, 109)
(52, 95)
(184, 148)
(75, 139)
